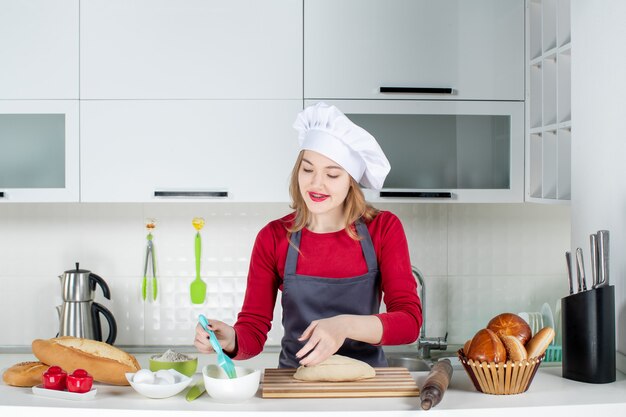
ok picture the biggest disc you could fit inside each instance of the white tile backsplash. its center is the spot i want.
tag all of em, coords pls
(478, 260)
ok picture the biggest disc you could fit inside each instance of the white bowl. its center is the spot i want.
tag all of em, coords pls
(224, 389)
(160, 391)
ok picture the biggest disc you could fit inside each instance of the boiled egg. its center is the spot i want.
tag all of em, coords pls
(164, 377)
(144, 376)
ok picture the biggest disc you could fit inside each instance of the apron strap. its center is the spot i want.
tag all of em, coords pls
(367, 246)
(292, 253)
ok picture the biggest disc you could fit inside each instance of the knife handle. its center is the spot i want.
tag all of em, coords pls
(580, 270)
(570, 281)
(593, 246)
(603, 257)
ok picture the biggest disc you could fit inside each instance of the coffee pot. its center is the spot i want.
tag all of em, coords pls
(79, 315)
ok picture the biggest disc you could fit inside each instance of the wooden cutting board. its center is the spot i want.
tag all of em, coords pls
(388, 382)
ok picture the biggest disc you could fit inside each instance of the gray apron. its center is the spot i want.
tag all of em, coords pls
(306, 298)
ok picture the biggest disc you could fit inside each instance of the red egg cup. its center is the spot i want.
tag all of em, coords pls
(55, 378)
(79, 381)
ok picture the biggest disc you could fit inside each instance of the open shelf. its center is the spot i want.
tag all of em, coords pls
(564, 88)
(548, 104)
(564, 32)
(564, 158)
(548, 24)
(549, 90)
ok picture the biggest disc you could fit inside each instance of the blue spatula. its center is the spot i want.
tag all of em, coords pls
(222, 359)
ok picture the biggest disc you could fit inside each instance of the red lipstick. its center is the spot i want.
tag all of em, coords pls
(316, 197)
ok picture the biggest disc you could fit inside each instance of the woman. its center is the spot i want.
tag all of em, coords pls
(331, 258)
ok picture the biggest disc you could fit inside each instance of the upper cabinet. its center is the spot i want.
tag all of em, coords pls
(548, 105)
(193, 49)
(414, 49)
(186, 150)
(39, 49)
(445, 151)
(39, 151)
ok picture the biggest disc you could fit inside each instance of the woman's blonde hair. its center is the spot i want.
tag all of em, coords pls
(354, 207)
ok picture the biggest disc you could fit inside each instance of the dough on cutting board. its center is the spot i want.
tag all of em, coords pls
(335, 369)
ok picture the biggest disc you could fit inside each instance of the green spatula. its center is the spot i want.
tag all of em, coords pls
(198, 287)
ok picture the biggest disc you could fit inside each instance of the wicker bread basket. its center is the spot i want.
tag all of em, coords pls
(501, 378)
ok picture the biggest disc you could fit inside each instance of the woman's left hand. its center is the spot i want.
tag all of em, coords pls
(325, 337)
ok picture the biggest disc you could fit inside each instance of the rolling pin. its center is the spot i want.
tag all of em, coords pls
(436, 384)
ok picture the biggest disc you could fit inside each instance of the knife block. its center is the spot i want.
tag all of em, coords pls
(588, 330)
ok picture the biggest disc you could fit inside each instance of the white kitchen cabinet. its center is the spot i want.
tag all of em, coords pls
(445, 151)
(475, 48)
(39, 49)
(192, 49)
(147, 150)
(548, 103)
(39, 151)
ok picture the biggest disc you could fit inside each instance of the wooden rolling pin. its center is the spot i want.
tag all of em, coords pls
(436, 384)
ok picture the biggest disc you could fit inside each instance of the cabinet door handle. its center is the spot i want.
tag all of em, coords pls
(191, 194)
(416, 194)
(417, 90)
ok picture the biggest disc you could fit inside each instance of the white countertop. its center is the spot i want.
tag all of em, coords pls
(549, 395)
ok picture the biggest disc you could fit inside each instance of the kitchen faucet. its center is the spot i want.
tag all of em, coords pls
(426, 344)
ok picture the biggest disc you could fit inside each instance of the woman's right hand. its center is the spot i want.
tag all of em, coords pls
(225, 335)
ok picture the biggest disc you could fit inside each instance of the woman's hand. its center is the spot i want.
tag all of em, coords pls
(225, 335)
(326, 336)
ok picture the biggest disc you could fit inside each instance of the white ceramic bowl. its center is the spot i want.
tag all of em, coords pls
(160, 391)
(224, 389)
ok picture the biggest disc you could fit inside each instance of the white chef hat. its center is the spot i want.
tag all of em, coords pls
(326, 130)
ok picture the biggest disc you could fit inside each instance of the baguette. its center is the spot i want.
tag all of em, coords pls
(25, 374)
(104, 362)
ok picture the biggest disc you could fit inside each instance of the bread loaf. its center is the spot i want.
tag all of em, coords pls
(104, 362)
(515, 351)
(486, 346)
(540, 342)
(335, 369)
(509, 324)
(466, 347)
(25, 374)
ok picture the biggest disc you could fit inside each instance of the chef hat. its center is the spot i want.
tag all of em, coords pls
(326, 130)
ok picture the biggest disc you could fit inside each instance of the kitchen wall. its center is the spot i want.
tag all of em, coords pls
(478, 260)
(598, 145)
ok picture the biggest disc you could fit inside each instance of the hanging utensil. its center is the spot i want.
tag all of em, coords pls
(198, 287)
(150, 260)
(603, 258)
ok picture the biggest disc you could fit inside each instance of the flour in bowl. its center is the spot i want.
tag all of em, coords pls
(171, 356)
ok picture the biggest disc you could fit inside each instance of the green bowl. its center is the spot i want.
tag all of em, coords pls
(184, 367)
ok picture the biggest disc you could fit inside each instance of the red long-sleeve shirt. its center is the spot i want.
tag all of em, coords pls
(330, 255)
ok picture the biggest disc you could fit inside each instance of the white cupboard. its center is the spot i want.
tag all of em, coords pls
(445, 151)
(418, 49)
(193, 49)
(39, 151)
(39, 49)
(184, 150)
